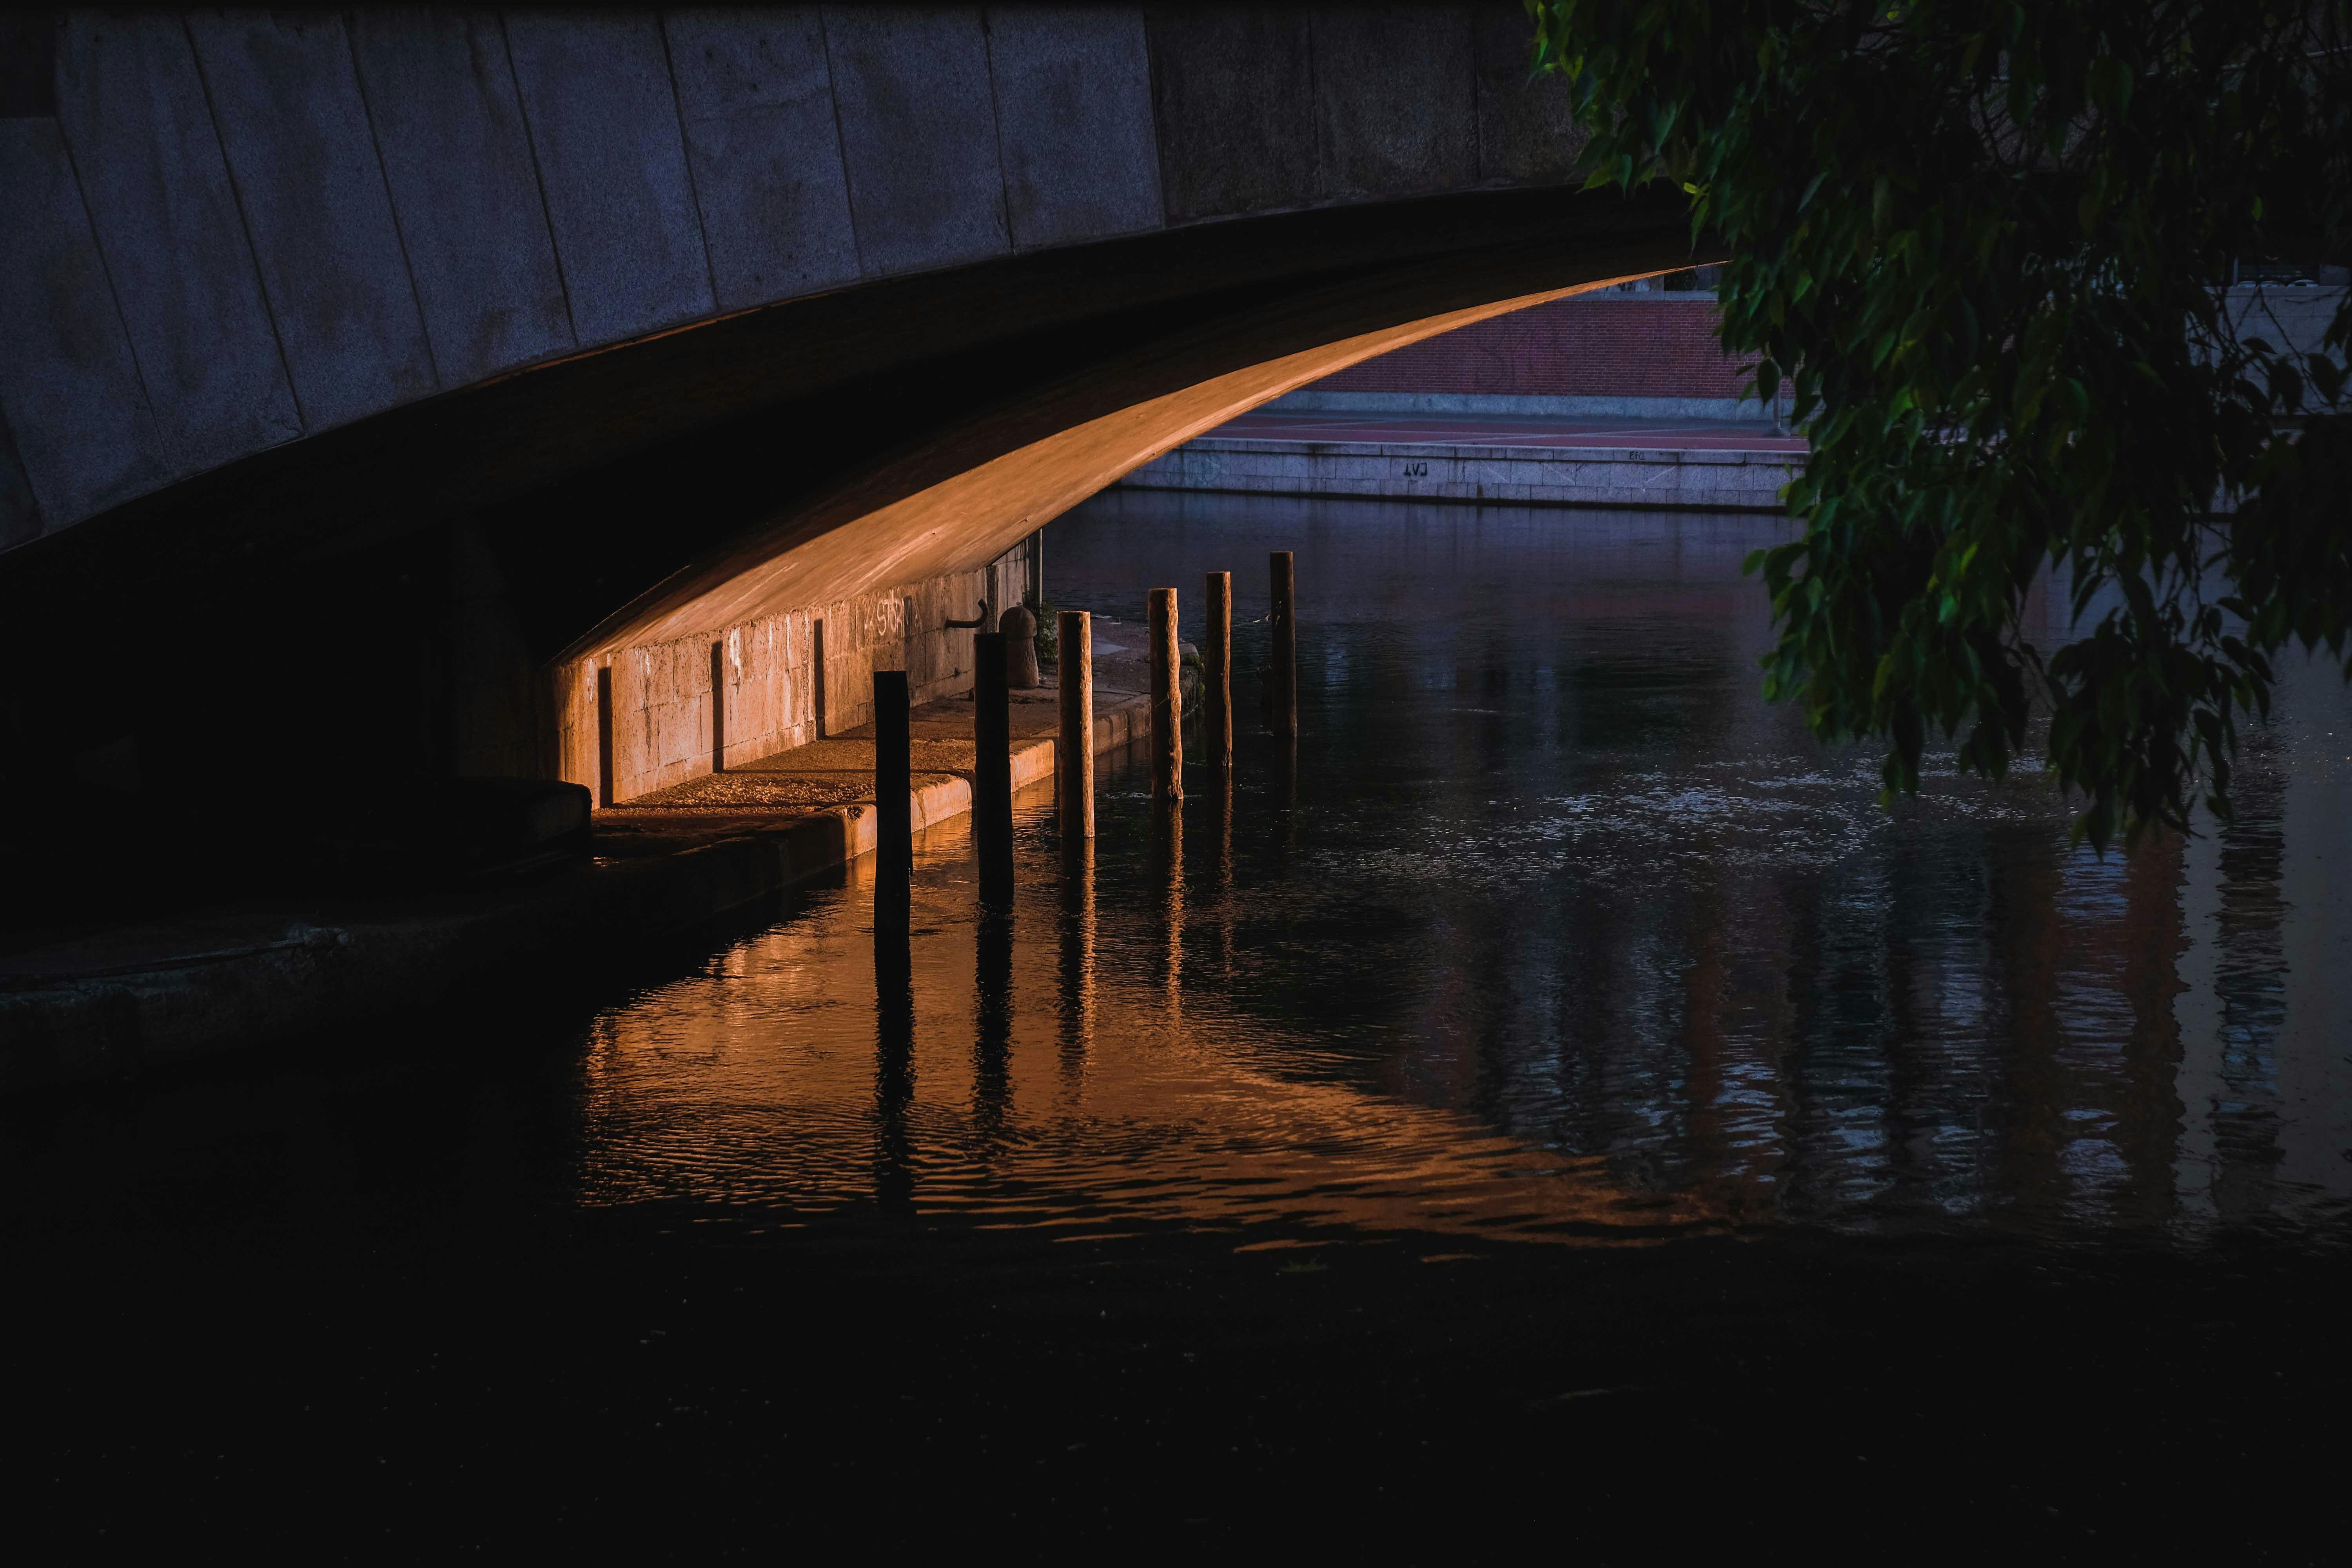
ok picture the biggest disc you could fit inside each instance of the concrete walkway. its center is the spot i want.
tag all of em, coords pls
(827, 787)
(113, 1004)
(1520, 459)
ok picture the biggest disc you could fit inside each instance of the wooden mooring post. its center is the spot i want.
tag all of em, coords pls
(894, 832)
(1167, 700)
(1074, 747)
(1217, 673)
(1282, 659)
(992, 776)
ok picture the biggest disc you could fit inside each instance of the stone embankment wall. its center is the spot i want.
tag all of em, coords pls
(766, 679)
(1627, 475)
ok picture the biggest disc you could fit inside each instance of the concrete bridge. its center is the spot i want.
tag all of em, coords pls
(477, 393)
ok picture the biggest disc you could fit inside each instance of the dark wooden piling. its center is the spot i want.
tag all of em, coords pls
(718, 708)
(1074, 747)
(894, 833)
(605, 735)
(1217, 673)
(1167, 700)
(991, 777)
(1282, 658)
(816, 679)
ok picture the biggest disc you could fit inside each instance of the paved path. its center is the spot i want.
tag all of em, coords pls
(826, 776)
(113, 1004)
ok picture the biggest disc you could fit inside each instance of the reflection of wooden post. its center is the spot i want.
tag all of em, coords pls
(1074, 749)
(1217, 672)
(991, 777)
(1167, 700)
(1282, 674)
(894, 832)
(1077, 954)
(1168, 856)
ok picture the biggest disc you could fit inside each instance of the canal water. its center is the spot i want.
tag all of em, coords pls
(1552, 927)
(1558, 1102)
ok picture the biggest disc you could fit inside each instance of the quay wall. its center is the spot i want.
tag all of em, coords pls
(681, 706)
(1559, 476)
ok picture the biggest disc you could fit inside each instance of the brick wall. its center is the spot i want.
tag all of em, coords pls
(1624, 345)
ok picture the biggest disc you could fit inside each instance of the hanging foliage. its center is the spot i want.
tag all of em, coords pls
(1989, 249)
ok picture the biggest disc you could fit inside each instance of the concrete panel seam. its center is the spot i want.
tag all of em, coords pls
(1314, 182)
(840, 140)
(693, 187)
(539, 177)
(1477, 104)
(996, 124)
(399, 234)
(1152, 81)
(245, 222)
(121, 320)
(1151, 118)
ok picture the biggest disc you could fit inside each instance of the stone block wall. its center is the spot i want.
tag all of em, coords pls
(766, 679)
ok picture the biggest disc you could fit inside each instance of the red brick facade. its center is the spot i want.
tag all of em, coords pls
(1640, 347)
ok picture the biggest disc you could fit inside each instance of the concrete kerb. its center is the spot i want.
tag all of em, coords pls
(112, 1008)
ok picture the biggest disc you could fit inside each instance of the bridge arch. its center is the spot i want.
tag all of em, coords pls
(381, 529)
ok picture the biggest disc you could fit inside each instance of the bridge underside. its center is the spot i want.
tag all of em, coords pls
(417, 594)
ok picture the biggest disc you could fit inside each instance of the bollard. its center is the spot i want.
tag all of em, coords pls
(1020, 629)
(1282, 659)
(1167, 700)
(992, 776)
(1217, 672)
(894, 832)
(1074, 748)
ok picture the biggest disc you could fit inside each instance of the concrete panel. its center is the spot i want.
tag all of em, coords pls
(457, 161)
(757, 99)
(1396, 109)
(175, 246)
(596, 89)
(286, 99)
(1233, 93)
(1526, 134)
(917, 134)
(68, 388)
(20, 509)
(1073, 122)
